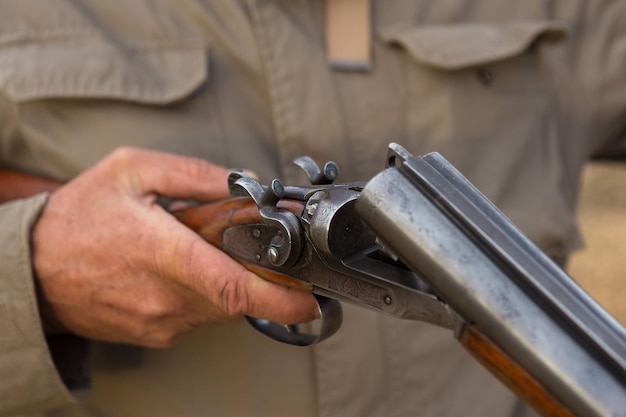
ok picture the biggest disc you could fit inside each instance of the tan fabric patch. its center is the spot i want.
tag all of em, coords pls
(349, 34)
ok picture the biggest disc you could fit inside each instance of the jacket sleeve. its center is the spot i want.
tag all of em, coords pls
(29, 380)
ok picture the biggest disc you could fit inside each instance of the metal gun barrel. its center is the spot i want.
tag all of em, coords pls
(479, 263)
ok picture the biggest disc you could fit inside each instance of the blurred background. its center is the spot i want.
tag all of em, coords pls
(600, 268)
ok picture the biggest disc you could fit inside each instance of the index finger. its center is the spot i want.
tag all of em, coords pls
(171, 175)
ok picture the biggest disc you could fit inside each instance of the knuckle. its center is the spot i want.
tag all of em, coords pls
(122, 160)
(125, 153)
(155, 307)
(163, 332)
(234, 298)
(199, 168)
(123, 156)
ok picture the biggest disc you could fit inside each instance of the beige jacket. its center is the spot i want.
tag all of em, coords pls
(516, 94)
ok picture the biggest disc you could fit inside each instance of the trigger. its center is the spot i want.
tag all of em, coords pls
(331, 317)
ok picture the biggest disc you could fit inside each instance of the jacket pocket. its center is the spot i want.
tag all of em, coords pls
(484, 95)
(457, 46)
(92, 68)
(67, 100)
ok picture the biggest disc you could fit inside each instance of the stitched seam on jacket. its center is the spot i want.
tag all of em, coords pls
(269, 70)
(68, 36)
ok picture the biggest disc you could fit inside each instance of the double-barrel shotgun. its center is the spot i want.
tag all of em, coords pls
(420, 242)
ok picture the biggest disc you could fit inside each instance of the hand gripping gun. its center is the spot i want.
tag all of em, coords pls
(420, 242)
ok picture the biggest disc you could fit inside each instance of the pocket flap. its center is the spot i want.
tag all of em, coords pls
(456, 46)
(94, 69)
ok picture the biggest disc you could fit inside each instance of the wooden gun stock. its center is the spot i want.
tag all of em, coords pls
(511, 374)
(15, 185)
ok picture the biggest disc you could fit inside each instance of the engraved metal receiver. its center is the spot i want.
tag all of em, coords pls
(327, 246)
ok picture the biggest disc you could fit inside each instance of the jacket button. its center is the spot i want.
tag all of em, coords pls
(484, 76)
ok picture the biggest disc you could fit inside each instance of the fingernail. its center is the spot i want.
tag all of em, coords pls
(317, 312)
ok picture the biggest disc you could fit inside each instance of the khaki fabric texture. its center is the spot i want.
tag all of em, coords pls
(517, 95)
(29, 378)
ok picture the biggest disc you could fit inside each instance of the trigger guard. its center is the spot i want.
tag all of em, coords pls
(331, 316)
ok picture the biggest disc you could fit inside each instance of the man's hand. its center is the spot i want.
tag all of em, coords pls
(113, 265)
